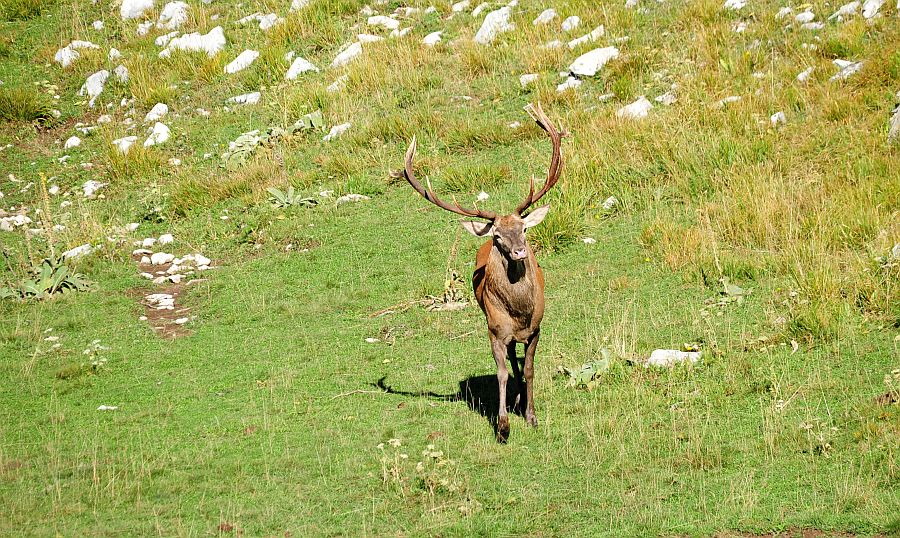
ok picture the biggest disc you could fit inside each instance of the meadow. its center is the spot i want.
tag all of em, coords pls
(310, 381)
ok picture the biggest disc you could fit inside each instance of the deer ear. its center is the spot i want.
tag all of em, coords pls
(535, 217)
(479, 229)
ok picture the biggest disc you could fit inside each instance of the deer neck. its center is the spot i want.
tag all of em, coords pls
(512, 281)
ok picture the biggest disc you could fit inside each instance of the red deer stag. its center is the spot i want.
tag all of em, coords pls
(509, 284)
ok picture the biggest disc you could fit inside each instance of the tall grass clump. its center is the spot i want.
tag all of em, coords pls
(24, 104)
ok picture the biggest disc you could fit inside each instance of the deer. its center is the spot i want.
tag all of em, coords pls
(507, 281)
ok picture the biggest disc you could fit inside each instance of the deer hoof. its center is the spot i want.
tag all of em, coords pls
(502, 429)
(531, 420)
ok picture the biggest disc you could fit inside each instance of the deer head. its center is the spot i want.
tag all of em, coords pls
(507, 231)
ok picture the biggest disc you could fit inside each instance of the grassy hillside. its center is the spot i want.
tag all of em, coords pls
(306, 385)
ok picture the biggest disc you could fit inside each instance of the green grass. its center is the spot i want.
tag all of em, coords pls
(266, 418)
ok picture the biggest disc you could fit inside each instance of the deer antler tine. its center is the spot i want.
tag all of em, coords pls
(536, 111)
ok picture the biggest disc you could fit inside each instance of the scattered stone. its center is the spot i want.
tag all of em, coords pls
(777, 119)
(610, 203)
(495, 23)
(165, 239)
(812, 26)
(338, 84)
(78, 251)
(157, 112)
(298, 66)
(98, 25)
(246, 99)
(595, 34)
(349, 53)
(847, 69)
(805, 16)
(158, 135)
(636, 110)
(144, 28)
(669, 98)
(161, 258)
(336, 131)
(871, 8)
(114, 55)
(134, 9)
(727, 100)
(734, 5)
(784, 13)
(347, 198)
(211, 43)
(589, 240)
(460, 6)
(181, 321)
(528, 79)
(297, 5)
(163, 40)
(173, 15)
(804, 75)
(121, 73)
(570, 84)
(893, 134)
(93, 86)
(72, 142)
(545, 17)
(432, 39)
(667, 358)
(243, 61)
(68, 54)
(369, 38)
(589, 63)
(739, 27)
(385, 22)
(91, 186)
(108, 407)
(845, 11)
(124, 144)
(571, 23)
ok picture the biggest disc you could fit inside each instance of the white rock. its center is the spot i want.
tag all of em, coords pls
(157, 112)
(144, 28)
(480, 8)
(432, 39)
(812, 26)
(385, 22)
(610, 203)
(158, 135)
(72, 142)
(164, 39)
(91, 186)
(297, 5)
(739, 27)
(783, 13)
(777, 119)
(336, 131)
(571, 23)
(266, 22)
(460, 6)
(93, 86)
(727, 100)
(68, 54)
(589, 240)
(98, 25)
(124, 144)
(570, 84)
(482, 196)
(107, 408)
(200, 259)
(528, 79)
(369, 38)
(54, 190)
(636, 110)
(243, 61)
(893, 133)
(121, 73)
(846, 10)
(847, 68)
(148, 242)
(666, 358)
(495, 23)
(595, 34)
(804, 75)
(211, 43)
(181, 321)
(173, 15)
(338, 84)
(347, 198)
(165, 239)
(545, 17)
(298, 66)
(555, 44)
(348, 54)
(734, 5)
(114, 54)
(246, 99)
(589, 63)
(133, 9)
(871, 8)
(805, 16)
(161, 258)
(78, 251)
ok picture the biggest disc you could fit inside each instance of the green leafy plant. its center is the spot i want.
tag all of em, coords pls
(52, 277)
(290, 198)
(588, 376)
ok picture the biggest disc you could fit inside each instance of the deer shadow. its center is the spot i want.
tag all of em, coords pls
(481, 393)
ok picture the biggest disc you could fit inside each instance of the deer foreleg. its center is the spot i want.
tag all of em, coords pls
(499, 349)
(530, 348)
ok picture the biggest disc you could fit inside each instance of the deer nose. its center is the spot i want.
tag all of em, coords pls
(519, 254)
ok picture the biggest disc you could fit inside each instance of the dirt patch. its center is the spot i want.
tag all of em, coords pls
(162, 308)
(790, 533)
(888, 398)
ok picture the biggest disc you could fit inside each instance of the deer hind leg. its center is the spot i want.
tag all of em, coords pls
(517, 374)
(530, 348)
(499, 349)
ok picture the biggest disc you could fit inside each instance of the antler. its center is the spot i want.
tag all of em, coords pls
(537, 114)
(429, 193)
